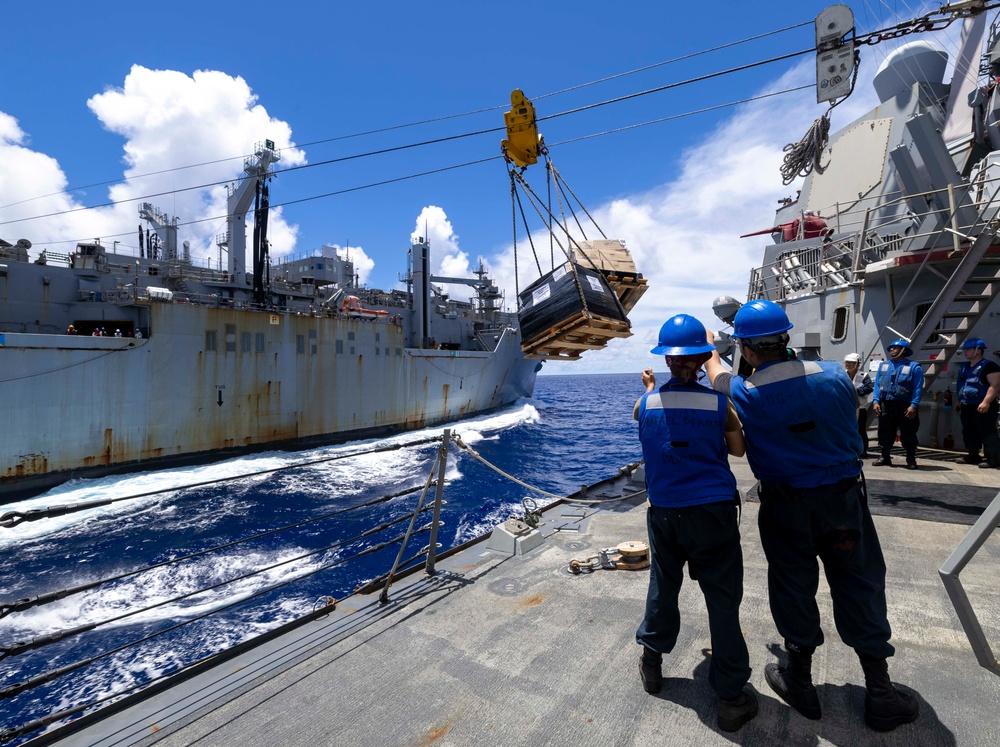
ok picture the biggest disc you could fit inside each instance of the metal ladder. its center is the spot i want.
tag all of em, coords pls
(974, 284)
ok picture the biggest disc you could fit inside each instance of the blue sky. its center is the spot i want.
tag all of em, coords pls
(90, 96)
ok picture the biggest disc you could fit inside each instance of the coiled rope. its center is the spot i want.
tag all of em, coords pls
(802, 157)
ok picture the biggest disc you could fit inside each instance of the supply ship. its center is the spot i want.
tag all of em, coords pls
(112, 362)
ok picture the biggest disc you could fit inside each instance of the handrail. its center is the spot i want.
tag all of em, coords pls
(967, 548)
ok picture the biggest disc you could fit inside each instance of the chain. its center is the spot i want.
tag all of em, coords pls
(917, 26)
(947, 14)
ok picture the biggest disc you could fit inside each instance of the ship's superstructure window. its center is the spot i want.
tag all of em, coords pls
(340, 347)
(350, 338)
(840, 323)
(245, 342)
(399, 352)
(211, 339)
(230, 338)
(260, 342)
(300, 344)
(378, 336)
(312, 342)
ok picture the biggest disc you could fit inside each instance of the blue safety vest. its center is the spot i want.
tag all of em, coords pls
(681, 429)
(971, 388)
(899, 381)
(801, 423)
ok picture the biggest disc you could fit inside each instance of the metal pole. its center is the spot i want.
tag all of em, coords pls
(980, 532)
(442, 464)
(384, 596)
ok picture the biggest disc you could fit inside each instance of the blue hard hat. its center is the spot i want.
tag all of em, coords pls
(901, 343)
(972, 343)
(682, 335)
(760, 318)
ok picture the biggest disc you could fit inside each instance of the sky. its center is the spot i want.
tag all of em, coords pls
(101, 108)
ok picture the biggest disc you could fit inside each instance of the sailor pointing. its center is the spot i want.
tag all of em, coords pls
(800, 421)
(686, 431)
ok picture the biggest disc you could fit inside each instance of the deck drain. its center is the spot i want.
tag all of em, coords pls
(576, 545)
(508, 587)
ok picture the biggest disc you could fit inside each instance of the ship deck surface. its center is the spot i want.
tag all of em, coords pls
(517, 651)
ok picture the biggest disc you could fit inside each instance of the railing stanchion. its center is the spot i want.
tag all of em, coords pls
(442, 464)
(383, 598)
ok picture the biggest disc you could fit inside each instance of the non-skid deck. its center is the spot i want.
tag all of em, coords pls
(517, 651)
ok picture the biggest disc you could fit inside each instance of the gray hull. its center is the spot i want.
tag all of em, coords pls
(77, 406)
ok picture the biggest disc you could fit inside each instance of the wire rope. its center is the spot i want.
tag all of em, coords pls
(431, 120)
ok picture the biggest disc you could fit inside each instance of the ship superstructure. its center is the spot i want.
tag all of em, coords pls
(113, 361)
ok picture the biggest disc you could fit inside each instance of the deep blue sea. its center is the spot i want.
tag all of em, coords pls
(575, 430)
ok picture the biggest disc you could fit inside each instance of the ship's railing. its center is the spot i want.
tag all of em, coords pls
(980, 532)
(847, 218)
(839, 258)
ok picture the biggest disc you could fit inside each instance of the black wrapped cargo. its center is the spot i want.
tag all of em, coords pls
(567, 311)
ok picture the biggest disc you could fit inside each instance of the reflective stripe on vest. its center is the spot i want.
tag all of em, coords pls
(774, 374)
(675, 400)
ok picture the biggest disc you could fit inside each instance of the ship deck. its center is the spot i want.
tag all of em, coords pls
(518, 651)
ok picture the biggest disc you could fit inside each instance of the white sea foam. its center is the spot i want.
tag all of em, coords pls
(349, 475)
(158, 586)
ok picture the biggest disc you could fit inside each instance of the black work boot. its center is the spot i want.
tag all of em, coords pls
(911, 460)
(793, 683)
(649, 670)
(885, 706)
(883, 461)
(732, 714)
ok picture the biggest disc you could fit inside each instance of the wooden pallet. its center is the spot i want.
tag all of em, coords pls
(629, 289)
(612, 259)
(571, 337)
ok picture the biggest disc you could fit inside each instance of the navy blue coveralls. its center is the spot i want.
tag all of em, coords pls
(693, 518)
(800, 422)
(898, 385)
(978, 429)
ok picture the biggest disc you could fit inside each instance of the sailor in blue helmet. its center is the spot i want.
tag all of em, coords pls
(978, 387)
(686, 431)
(800, 421)
(899, 384)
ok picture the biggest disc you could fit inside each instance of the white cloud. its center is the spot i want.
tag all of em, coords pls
(167, 118)
(446, 258)
(363, 264)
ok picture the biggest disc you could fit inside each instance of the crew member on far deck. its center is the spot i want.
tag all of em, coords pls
(978, 388)
(686, 431)
(800, 419)
(864, 386)
(899, 384)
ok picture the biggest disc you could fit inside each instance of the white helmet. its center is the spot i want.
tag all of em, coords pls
(852, 358)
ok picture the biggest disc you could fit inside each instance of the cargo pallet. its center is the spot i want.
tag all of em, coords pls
(571, 337)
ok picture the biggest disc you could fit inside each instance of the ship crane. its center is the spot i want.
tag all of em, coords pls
(256, 171)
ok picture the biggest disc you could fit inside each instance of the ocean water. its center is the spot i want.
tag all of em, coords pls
(576, 430)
